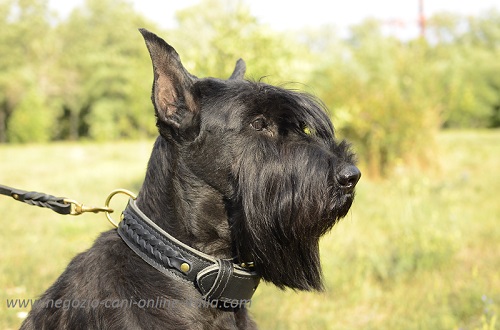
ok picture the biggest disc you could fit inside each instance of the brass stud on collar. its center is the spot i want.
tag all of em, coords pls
(185, 267)
(247, 265)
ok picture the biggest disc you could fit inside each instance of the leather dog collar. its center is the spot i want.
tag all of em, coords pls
(216, 279)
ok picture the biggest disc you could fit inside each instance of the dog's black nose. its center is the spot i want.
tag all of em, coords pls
(348, 177)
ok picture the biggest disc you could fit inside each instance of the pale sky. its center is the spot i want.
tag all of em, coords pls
(280, 15)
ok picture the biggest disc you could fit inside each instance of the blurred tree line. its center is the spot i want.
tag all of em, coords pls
(88, 76)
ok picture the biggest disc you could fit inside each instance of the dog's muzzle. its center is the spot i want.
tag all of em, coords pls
(216, 279)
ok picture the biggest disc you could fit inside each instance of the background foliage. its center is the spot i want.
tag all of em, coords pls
(87, 76)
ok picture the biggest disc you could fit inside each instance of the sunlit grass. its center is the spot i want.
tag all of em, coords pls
(417, 251)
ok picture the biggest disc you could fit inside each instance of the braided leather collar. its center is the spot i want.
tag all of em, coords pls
(216, 279)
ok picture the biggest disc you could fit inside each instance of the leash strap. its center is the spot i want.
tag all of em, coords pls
(216, 279)
(56, 204)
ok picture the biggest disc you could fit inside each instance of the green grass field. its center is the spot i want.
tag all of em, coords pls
(417, 251)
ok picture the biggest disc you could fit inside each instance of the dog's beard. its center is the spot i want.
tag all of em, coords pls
(288, 200)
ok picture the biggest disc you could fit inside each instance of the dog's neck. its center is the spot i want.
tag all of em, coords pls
(187, 208)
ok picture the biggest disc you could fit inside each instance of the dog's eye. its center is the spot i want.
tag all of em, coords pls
(259, 124)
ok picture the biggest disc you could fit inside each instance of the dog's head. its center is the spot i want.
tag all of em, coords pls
(270, 153)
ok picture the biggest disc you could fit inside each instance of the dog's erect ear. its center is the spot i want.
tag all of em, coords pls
(172, 86)
(239, 70)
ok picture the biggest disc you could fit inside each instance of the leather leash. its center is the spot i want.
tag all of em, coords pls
(59, 205)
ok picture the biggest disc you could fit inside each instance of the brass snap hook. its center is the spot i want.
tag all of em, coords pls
(106, 204)
(78, 208)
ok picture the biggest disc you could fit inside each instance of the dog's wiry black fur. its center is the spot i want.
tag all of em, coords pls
(241, 170)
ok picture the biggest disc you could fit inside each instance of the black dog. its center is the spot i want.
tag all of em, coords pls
(245, 176)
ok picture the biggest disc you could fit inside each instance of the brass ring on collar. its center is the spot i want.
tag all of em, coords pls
(113, 193)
